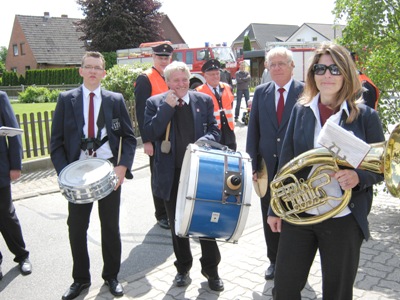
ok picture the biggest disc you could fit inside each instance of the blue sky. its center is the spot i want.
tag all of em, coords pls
(213, 21)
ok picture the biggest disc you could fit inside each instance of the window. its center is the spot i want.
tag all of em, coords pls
(22, 46)
(177, 56)
(189, 57)
(27, 68)
(15, 49)
(314, 39)
(14, 69)
(203, 54)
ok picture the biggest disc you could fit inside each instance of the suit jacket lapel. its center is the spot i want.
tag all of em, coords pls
(308, 121)
(107, 104)
(270, 104)
(77, 106)
(290, 101)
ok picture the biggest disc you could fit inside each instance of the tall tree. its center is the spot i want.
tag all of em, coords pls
(246, 44)
(119, 24)
(373, 32)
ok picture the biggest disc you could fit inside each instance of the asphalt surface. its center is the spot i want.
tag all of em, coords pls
(147, 269)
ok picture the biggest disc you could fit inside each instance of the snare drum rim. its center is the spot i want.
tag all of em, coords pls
(70, 191)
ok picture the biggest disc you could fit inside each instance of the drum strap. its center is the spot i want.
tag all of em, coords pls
(94, 144)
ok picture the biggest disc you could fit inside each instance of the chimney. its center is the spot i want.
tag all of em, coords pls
(46, 14)
(64, 16)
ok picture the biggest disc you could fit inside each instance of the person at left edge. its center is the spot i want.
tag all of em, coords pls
(10, 169)
(148, 84)
(222, 96)
(68, 133)
(192, 120)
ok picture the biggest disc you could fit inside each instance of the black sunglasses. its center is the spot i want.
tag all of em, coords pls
(320, 69)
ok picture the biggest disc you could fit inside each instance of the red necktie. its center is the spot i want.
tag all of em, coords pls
(281, 105)
(91, 117)
(180, 102)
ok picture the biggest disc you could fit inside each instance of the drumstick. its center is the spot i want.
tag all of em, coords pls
(119, 150)
(167, 133)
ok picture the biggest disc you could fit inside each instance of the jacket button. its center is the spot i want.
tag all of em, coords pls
(278, 140)
(275, 155)
(352, 205)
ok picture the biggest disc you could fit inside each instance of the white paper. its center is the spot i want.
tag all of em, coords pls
(10, 131)
(342, 143)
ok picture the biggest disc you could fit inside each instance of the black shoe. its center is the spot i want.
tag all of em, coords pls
(182, 279)
(75, 290)
(270, 273)
(215, 283)
(163, 223)
(115, 287)
(25, 267)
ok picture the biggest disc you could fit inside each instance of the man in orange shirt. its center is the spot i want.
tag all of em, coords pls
(222, 96)
(148, 84)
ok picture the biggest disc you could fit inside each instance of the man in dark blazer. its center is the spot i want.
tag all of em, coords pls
(10, 169)
(265, 133)
(70, 142)
(191, 118)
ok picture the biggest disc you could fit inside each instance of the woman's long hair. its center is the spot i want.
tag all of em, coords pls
(351, 90)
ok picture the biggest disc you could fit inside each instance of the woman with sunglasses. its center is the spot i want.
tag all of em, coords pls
(331, 92)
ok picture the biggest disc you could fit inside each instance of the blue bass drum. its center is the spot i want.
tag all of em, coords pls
(214, 194)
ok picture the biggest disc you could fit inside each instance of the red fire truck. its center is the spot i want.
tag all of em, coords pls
(193, 57)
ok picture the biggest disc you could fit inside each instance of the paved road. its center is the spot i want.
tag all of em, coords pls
(147, 269)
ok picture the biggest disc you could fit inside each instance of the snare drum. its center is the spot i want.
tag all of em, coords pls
(214, 194)
(88, 180)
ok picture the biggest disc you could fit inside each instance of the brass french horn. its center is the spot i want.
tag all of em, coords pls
(290, 197)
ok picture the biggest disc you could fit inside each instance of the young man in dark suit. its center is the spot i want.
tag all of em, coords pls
(267, 130)
(191, 115)
(71, 141)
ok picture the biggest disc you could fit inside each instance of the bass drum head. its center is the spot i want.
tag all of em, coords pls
(203, 209)
(186, 191)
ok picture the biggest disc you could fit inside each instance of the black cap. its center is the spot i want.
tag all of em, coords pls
(210, 65)
(163, 50)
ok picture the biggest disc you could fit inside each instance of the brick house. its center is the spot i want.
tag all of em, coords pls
(44, 42)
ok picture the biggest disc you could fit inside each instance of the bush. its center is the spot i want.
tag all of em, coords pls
(121, 78)
(34, 94)
(53, 95)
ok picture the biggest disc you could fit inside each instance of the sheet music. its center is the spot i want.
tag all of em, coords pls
(10, 131)
(343, 143)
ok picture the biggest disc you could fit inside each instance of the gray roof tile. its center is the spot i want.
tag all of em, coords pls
(53, 40)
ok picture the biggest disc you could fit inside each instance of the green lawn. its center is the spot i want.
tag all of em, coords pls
(20, 108)
(28, 108)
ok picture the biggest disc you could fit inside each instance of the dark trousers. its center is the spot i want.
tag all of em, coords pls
(338, 241)
(210, 255)
(160, 212)
(271, 238)
(78, 224)
(10, 227)
(239, 94)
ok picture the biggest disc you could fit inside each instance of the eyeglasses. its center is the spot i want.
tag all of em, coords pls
(320, 69)
(96, 68)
